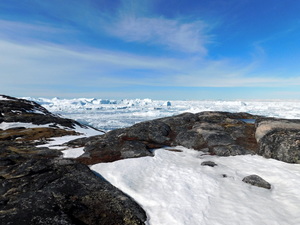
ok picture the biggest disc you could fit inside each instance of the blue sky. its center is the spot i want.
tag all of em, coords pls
(159, 49)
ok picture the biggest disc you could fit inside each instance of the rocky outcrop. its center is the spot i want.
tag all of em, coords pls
(37, 186)
(30, 134)
(61, 191)
(257, 181)
(218, 133)
(25, 111)
(279, 139)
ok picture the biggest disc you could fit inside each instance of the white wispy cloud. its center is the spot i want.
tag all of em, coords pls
(42, 64)
(137, 21)
(129, 22)
(35, 64)
(191, 37)
(29, 62)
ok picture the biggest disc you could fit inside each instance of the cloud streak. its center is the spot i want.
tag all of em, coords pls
(47, 64)
(126, 22)
(190, 37)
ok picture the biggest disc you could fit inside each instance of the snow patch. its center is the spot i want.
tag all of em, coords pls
(73, 152)
(2, 98)
(5, 125)
(58, 142)
(87, 131)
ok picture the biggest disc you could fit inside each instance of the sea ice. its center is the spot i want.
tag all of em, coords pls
(111, 114)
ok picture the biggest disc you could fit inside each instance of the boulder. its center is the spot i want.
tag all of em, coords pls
(257, 181)
(279, 139)
(209, 163)
(281, 144)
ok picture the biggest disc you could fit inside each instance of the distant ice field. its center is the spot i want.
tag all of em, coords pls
(111, 114)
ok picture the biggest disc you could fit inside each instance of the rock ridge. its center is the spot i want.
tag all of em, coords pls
(216, 133)
(38, 186)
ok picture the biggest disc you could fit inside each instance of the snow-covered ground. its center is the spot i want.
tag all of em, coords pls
(173, 187)
(111, 114)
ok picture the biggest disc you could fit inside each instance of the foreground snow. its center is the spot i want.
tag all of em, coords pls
(174, 188)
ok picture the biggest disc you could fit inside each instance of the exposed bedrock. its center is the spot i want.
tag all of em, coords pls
(25, 111)
(218, 133)
(60, 191)
(37, 186)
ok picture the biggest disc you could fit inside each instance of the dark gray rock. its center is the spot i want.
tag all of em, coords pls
(257, 181)
(60, 191)
(209, 163)
(190, 139)
(133, 149)
(219, 133)
(228, 150)
(38, 187)
(279, 139)
(151, 131)
(216, 138)
(180, 123)
(280, 144)
(81, 142)
(115, 145)
(21, 110)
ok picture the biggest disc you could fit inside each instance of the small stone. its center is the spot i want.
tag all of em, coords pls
(209, 163)
(256, 180)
